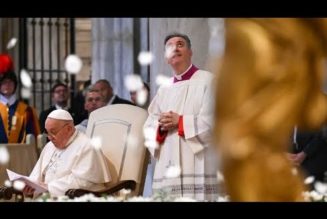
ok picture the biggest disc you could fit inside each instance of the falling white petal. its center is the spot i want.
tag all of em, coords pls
(26, 93)
(96, 142)
(125, 191)
(149, 133)
(133, 82)
(220, 177)
(309, 180)
(73, 64)
(169, 51)
(145, 58)
(25, 78)
(8, 183)
(141, 97)
(321, 187)
(173, 172)
(151, 144)
(163, 80)
(4, 155)
(132, 141)
(19, 185)
(12, 43)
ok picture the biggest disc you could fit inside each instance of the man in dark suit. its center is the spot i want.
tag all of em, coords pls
(104, 87)
(310, 152)
(60, 97)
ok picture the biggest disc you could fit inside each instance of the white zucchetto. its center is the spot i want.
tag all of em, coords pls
(60, 114)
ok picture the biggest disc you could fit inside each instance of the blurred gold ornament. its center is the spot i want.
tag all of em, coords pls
(270, 80)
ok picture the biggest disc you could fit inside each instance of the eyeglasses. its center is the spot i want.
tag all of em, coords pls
(54, 135)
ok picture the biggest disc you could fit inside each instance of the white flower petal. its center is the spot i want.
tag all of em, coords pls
(96, 142)
(141, 97)
(173, 171)
(133, 82)
(4, 155)
(309, 180)
(25, 78)
(19, 185)
(12, 43)
(26, 93)
(145, 58)
(73, 64)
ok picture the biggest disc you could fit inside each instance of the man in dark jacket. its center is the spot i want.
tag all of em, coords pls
(310, 152)
(104, 87)
(60, 97)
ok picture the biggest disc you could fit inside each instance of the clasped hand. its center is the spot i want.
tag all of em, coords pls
(168, 121)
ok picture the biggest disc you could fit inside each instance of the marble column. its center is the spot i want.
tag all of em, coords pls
(112, 51)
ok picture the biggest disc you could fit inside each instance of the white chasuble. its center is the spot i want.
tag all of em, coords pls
(193, 153)
(79, 166)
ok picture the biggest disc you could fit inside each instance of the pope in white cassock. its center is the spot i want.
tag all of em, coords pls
(181, 114)
(68, 161)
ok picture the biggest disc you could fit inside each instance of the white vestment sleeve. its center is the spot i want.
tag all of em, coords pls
(198, 128)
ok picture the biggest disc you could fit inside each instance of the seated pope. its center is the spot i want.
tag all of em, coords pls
(68, 160)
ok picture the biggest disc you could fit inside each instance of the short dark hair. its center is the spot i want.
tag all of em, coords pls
(59, 84)
(11, 76)
(105, 81)
(184, 36)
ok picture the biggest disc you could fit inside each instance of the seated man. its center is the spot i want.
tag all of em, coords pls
(60, 97)
(93, 101)
(68, 161)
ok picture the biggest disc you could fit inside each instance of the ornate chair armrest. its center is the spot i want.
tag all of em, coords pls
(125, 184)
(6, 193)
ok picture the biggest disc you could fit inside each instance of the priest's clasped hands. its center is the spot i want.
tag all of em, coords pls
(168, 121)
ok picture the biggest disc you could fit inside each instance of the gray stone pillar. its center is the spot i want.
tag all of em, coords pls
(112, 51)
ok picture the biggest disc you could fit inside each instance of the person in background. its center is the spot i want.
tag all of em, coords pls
(60, 98)
(17, 118)
(104, 87)
(93, 101)
(309, 152)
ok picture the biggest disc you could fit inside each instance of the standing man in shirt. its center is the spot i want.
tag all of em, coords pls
(181, 113)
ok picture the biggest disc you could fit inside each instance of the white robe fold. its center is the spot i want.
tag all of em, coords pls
(194, 100)
(79, 166)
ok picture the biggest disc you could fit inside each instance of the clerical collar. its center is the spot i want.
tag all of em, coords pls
(186, 75)
(8, 101)
(60, 107)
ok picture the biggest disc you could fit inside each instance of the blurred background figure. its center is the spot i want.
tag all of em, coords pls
(17, 118)
(104, 87)
(93, 101)
(269, 81)
(60, 97)
(309, 151)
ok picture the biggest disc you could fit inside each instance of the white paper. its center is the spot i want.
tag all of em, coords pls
(35, 185)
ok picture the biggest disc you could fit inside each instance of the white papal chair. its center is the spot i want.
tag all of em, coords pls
(120, 129)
